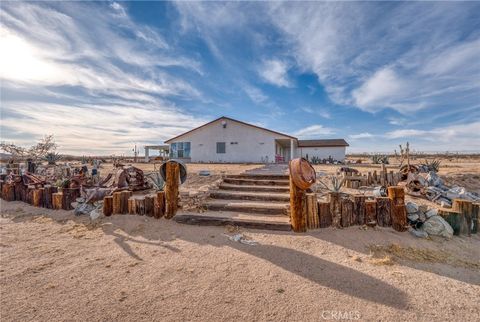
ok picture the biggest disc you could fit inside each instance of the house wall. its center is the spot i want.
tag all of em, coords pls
(337, 152)
(253, 145)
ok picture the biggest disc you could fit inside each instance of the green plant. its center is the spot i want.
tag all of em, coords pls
(53, 157)
(157, 180)
(315, 160)
(379, 159)
(336, 184)
(434, 165)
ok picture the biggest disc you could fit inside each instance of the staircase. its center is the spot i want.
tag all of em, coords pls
(253, 200)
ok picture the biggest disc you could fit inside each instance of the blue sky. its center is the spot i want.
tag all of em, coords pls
(102, 76)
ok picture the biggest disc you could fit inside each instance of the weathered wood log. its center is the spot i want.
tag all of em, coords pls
(298, 214)
(1, 188)
(108, 206)
(20, 190)
(390, 178)
(37, 198)
(465, 210)
(358, 210)
(117, 202)
(149, 206)
(375, 177)
(131, 206)
(160, 205)
(125, 195)
(369, 178)
(384, 208)
(140, 206)
(475, 217)
(29, 196)
(57, 200)
(398, 211)
(347, 212)
(312, 211)
(370, 212)
(324, 214)
(172, 173)
(335, 209)
(69, 195)
(8, 192)
(452, 218)
(47, 196)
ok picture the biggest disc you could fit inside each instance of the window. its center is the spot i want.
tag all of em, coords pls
(180, 150)
(220, 147)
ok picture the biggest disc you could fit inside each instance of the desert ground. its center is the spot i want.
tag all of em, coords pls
(55, 266)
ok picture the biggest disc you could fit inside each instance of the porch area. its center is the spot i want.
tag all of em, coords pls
(284, 150)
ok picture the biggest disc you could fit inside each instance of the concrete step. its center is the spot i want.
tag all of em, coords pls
(258, 176)
(251, 207)
(242, 195)
(256, 182)
(234, 187)
(271, 222)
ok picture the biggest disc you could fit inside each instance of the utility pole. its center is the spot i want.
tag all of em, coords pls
(135, 153)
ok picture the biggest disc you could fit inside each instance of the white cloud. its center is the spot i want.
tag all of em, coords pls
(364, 135)
(314, 130)
(275, 72)
(317, 111)
(255, 94)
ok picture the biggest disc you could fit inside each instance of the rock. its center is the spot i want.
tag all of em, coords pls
(411, 207)
(413, 217)
(418, 233)
(437, 226)
(431, 212)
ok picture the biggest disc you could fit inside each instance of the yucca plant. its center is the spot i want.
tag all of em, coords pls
(156, 179)
(52, 157)
(433, 165)
(379, 159)
(336, 184)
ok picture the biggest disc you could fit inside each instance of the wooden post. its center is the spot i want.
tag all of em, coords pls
(47, 196)
(475, 217)
(124, 201)
(465, 210)
(20, 189)
(370, 212)
(160, 205)
(8, 192)
(140, 206)
(108, 206)
(335, 208)
(57, 200)
(398, 211)
(38, 198)
(358, 210)
(384, 208)
(149, 205)
(324, 214)
(171, 188)
(298, 214)
(29, 196)
(375, 177)
(369, 178)
(131, 205)
(69, 195)
(453, 219)
(347, 212)
(312, 211)
(117, 202)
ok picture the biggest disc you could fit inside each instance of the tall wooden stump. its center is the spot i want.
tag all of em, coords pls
(108, 206)
(29, 196)
(475, 217)
(47, 196)
(117, 202)
(347, 212)
(298, 215)
(38, 197)
(172, 173)
(160, 205)
(384, 208)
(452, 218)
(399, 213)
(69, 195)
(358, 210)
(131, 206)
(124, 203)
(312, 211)
(465, 210)
(149, 206)
(324, 214)
(370, 212)
(20, 189)
(335, 208)
(57, 200)
(8, 192)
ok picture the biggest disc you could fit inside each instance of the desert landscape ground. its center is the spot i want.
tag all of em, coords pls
(56, 266)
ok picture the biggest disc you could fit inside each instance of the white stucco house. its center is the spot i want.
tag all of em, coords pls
(226, 140)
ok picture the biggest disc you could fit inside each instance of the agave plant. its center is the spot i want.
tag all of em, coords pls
(379, 159)
(156, 179)
(336, 184)
(53, 157)
(433, 165)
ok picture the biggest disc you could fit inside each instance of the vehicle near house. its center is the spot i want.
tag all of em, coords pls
(227, 140)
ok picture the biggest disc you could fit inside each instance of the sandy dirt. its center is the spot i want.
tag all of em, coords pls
(57, 267)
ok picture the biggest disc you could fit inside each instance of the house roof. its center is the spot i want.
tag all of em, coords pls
(322, 143)
(228, 118)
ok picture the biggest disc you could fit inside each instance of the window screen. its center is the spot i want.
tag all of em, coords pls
(220, 147)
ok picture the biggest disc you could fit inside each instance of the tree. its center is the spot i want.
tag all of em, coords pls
(35, 152)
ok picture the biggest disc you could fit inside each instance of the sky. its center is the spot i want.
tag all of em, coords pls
(104, 76)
